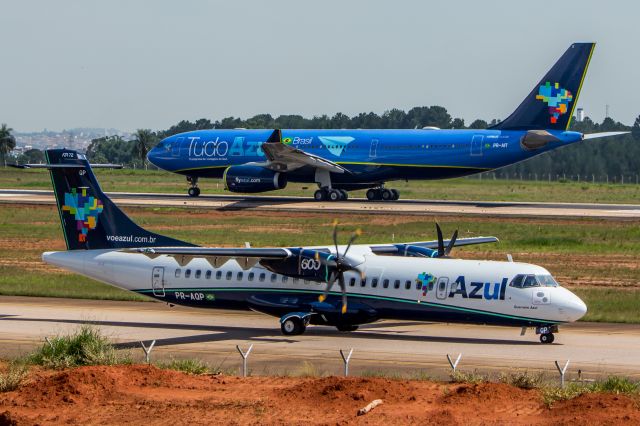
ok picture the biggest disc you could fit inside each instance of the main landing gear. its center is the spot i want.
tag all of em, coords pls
(194, 191)
(293, 326)
(330, 194)
(382, 193)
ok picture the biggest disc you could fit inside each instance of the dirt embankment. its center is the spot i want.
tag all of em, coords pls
(142, 394)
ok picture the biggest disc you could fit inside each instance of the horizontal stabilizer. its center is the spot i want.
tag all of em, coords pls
(603, 135)
(65, 166)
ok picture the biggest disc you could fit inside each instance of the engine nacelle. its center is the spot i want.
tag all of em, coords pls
(250, 179)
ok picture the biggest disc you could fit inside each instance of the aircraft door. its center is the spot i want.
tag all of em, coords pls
(442, 288)
(157, 281)
(373, 151)
(175, 147)
(476, 144)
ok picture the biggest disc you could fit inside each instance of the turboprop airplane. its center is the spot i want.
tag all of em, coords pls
(409, 281)
(252, 161)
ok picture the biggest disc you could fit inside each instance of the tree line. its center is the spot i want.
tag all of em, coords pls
(618, 155)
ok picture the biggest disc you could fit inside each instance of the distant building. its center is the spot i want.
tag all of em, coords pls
(580, 116)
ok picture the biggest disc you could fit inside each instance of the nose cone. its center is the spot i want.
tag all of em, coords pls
(573, 307)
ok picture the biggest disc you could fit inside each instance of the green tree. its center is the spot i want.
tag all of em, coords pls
(32, 156)
(144, 141)
(635, 130)
(478, 124)
(7, 142)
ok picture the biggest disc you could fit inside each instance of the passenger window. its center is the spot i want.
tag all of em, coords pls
(239, 276)
(418, 285)
(396, 284)
(285, 278)
(218, 275)
(363, 283)
(407, 285)
(251, 275)
(187, 273)
(229, 275)
(273, 278)
(294, 280)
(178, 272)
(208, 275)
(374, 283)
(198, 273)
(262, 277)
(352, 282)
(385, 283)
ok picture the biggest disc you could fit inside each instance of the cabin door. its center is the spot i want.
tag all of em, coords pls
(157, 281)
(442, 288)
(373, 151)
(476, 144)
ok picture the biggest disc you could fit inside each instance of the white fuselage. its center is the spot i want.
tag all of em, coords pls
(462, 290)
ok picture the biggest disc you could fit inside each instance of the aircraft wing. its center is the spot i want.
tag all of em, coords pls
(395, 248)
(284, 158)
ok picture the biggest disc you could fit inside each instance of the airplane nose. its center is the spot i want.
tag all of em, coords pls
(575, 308)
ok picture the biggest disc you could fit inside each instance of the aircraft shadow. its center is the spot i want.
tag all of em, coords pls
(224, 333)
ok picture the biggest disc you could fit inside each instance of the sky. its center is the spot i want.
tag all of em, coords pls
(130, 64)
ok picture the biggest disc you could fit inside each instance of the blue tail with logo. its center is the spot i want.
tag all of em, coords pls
(90, 220)
(551, 103)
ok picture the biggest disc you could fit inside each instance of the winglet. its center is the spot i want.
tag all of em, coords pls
(275, 137)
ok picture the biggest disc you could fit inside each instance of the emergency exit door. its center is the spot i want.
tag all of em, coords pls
(157, 281)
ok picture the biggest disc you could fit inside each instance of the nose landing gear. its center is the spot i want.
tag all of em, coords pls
(194, 191)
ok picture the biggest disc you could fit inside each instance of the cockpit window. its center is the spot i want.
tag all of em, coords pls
(528, 281)
(546, 281)
(517, 281)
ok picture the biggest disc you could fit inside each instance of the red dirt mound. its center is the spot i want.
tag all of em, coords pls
(143, 394)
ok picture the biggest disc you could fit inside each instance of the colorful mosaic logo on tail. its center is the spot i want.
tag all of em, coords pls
(85, 210)
(556, 98)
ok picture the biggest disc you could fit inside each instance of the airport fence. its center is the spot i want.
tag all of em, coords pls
(621, 179)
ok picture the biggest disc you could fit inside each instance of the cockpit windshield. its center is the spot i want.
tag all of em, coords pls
(528, 281)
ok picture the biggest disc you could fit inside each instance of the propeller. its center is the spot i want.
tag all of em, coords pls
(340, 264)
(442, 250)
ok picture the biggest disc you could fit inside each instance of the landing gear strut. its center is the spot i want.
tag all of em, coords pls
(382, 193)
(194, 191)
(330, 194)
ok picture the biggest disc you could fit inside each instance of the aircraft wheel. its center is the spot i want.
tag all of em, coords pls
(396, 194)
(345, 195)
(346, 327)
(319, 195)
(292, 326)
(372, 195)
(335, 195)
(387, 195)
(194, 191)
(547, 338)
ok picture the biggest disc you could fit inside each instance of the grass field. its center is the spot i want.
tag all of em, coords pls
(452, 189)
(598, 260)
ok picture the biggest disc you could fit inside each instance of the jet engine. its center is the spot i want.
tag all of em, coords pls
(248, 179)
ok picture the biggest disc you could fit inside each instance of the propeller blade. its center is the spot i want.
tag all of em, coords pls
(335, 237)
(440, 241)
(351, 240)
(344, 292)
(452, 243)
(330, 283)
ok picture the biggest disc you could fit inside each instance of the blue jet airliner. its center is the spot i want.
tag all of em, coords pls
(252, 161)
(416, 280)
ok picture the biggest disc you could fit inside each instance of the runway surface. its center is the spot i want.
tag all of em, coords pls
(403, 207)
(212, 335)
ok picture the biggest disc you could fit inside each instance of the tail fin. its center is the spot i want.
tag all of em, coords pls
(551, 103)
(89, 218)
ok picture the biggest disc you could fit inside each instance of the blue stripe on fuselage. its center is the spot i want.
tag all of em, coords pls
(369, 154)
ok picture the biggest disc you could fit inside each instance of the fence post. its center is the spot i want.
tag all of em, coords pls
(562, 371)
(346, 360)
(244, 356)
(147, 350)
(454, 365)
